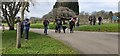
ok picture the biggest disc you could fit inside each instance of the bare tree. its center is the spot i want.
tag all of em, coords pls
(24, 6)
(10, 10)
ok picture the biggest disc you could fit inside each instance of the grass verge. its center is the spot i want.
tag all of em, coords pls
(112, 27)
(37, 44)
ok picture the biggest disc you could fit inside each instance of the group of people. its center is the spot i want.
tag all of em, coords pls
(25, 26)
(62, 23)
(92, 20)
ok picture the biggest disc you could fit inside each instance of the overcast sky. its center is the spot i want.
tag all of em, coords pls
(43, 7)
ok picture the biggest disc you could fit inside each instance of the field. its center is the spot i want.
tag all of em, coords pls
(106, 27)
(40, 25)
(111, 27)
(37, 44)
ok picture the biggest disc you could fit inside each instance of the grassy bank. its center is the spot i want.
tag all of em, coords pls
(107, 27)
(37, 44)
(112, 27)
(40, 26)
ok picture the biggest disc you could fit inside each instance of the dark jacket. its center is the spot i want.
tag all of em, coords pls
(45, 23)
(99, 19)
(71, 23)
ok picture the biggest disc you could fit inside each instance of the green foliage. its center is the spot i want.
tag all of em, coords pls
(59, 12)
(71, 4)
(110, 15)
(37, 44)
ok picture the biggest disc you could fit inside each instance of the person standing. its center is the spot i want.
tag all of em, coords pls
(26, 28)
(99, 20)
(90, 20)
(45, 23)
(22, 28)
(78, 22)
(56, 26)
(59, 24)
(74, 20)
(71, 25)
(64, 26)
(94, 20)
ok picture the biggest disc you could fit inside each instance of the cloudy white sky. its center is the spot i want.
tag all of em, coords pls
(43, 7)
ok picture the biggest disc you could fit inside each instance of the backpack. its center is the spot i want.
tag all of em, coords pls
(72, 23)
(58, 22)
(46, 23)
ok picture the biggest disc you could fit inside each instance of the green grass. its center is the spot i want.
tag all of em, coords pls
(111, 27)
(107, 27)
(41, 26)
(37, 44)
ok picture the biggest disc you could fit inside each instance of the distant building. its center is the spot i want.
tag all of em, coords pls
(115, 19)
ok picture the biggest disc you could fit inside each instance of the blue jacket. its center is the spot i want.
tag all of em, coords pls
(26, 25)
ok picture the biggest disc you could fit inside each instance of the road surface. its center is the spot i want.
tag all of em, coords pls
(87, 42)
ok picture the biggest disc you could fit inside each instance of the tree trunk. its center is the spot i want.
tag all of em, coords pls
(22, 15)
(11, 28)
(18, 43)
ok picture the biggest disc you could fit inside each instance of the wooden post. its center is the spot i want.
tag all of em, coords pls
(18, 43)
(0, 39)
